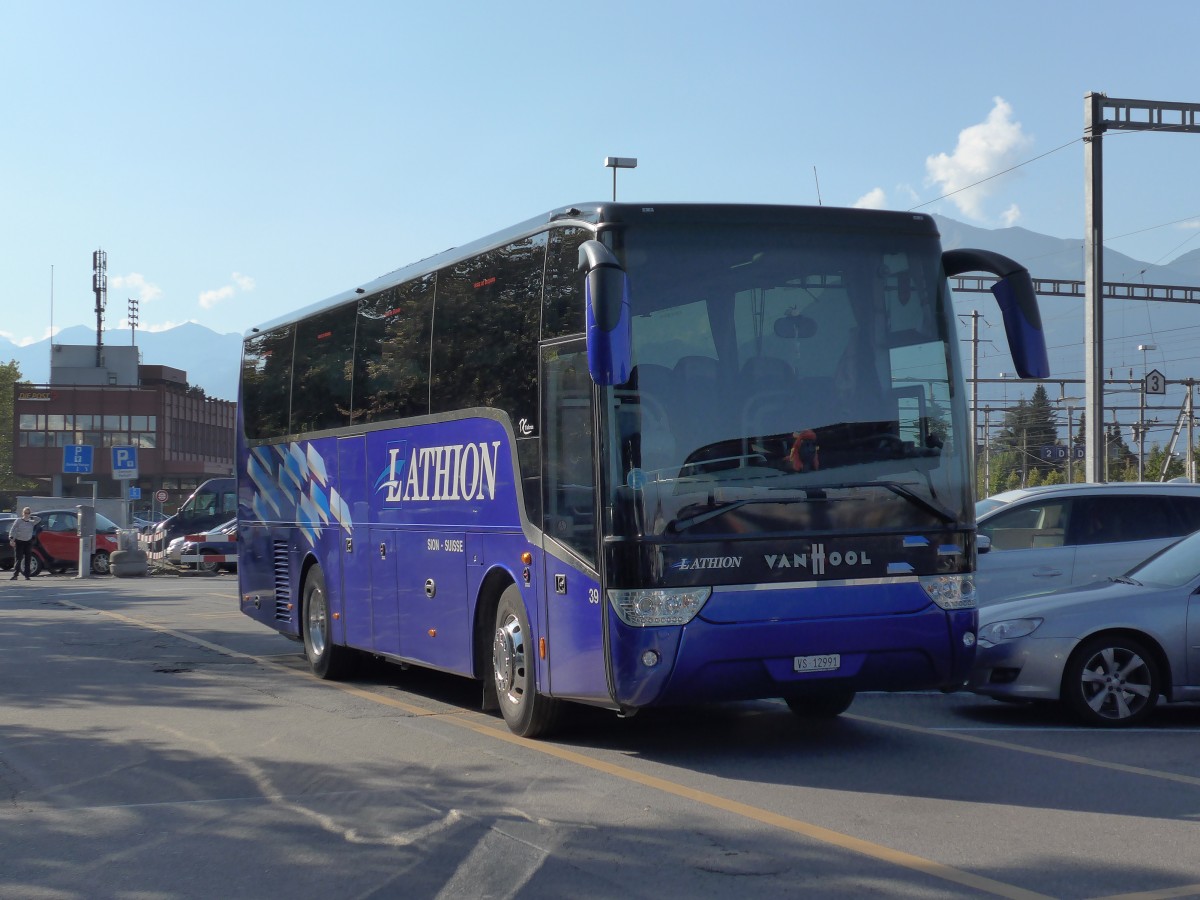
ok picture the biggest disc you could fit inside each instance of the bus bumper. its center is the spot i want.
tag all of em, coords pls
(931, 649)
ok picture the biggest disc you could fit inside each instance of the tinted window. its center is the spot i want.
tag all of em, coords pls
(563, 311)
(486, 332)
(569, 481)
(391, 377)
(267, 383)
(1105, 520)
(321, 380)
(1188, 510)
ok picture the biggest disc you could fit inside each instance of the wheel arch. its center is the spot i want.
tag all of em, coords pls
(1161, 661)
(306, 565)
(494, 583)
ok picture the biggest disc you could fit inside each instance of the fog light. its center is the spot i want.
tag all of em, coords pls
(650, 658)
(969, 639)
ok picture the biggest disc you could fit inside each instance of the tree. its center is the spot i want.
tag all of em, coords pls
(11, 485)
(1027, 427)
(1154, 464)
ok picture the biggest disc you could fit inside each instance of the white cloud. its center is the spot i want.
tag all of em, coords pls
(209, 299)
(876, 198)
(1011, 216)
(983, 150)
(241, 283)
(136, 283)
(163, 326)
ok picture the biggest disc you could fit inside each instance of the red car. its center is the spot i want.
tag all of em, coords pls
(56, 542)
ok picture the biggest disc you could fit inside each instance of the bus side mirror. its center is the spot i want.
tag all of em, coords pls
(606, 294)
(1018, 305)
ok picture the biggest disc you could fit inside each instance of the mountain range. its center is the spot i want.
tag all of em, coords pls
(211, 359)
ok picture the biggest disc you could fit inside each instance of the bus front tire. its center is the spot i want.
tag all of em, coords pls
(526, 712)
(326, 659)
(824, 705)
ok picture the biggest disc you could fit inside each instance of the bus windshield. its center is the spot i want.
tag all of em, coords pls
(784, 379)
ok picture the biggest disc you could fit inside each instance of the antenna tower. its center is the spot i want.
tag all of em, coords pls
(100, 289)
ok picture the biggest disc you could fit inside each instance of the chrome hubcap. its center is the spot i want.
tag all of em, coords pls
(316, 622)
(508, 657)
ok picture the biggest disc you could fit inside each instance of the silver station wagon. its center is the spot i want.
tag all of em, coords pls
(1044, 539)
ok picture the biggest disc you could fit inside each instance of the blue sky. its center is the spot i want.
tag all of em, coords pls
(240, 159)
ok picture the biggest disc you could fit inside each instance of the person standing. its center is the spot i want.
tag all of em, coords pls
(21, 534)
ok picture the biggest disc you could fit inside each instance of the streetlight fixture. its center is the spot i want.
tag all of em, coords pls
(1141, 429)
(619, 162)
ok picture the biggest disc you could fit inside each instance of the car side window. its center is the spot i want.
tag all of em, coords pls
(1149, 518)
(1097, 520)
(1036, 524)
(1188, 510)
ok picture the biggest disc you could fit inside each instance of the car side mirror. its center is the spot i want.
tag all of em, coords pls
(983, 543)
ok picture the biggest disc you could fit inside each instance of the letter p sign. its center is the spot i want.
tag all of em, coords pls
(124, 462)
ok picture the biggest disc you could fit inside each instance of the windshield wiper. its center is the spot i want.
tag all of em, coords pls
(902, 490)
(718, 508)
(816, 493)
(1124, 579)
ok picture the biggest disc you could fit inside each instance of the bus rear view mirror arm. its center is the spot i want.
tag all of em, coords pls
(1018, 305)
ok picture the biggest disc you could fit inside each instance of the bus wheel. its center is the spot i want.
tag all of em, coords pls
(325, 658)
(526, 712)
(825, 705)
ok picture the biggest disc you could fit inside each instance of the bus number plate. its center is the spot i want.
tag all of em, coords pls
(826, 662)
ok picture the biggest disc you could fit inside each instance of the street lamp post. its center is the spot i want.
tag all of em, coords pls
(619, 162)
(1141, 429)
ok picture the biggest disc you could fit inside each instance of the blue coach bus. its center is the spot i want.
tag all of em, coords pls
(630, 455)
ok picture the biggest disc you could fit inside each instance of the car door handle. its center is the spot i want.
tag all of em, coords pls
(1046, 573)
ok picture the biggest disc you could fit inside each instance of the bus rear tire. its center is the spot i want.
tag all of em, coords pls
(824, 705)
(526, 712)
(326, 659)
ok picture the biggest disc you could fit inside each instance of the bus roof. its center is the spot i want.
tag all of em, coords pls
(596, 213)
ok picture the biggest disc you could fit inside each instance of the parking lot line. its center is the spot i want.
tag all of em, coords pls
(1190, 780)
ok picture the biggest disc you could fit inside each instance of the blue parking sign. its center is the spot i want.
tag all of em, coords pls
(77, 459)
(124, 462)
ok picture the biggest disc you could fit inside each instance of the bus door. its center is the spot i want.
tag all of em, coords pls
(574, 611)
(354, 546)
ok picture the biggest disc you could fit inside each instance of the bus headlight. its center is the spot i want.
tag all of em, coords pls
(659, 606)
(950, 591)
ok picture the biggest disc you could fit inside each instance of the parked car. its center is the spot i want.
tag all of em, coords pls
(1037, 540)
(221, 541)
(1106, 651)
(58, 537)
(175, 549)
(7, 554)
(56, 542)
(209, 505)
